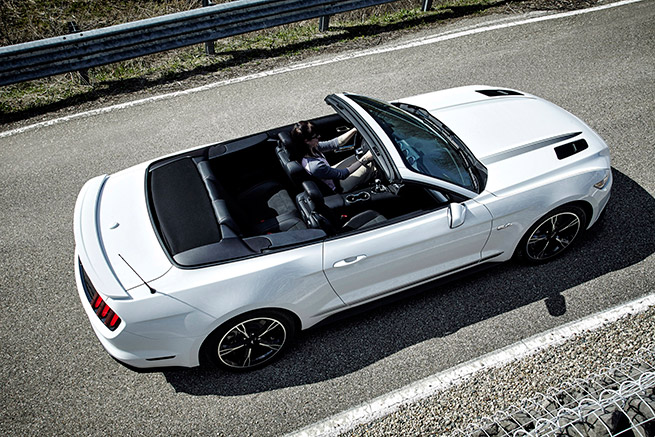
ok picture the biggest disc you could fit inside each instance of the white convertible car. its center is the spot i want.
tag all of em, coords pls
(223, 252)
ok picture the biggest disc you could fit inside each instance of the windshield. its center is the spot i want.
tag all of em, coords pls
(422, 148)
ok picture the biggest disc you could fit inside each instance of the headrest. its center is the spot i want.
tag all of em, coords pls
(285, 138)
(313, 192)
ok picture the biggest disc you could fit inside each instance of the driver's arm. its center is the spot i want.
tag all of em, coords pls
(335, 143)
(347, 136)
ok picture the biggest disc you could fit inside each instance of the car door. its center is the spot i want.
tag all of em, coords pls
(373, 263)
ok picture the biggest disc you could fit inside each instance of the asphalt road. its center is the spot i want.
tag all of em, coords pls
(57, 379)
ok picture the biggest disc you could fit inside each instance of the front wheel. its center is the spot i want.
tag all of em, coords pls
(552, 234)
(250, 341)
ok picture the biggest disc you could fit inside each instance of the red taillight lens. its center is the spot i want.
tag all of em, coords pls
(105, 313)
(115, 320)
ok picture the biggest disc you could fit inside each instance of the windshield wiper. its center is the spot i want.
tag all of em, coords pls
(433, 122)
(469, 168)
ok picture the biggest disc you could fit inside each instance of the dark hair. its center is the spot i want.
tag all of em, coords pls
(300, 133)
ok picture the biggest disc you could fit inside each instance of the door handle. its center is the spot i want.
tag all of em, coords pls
(349, 261)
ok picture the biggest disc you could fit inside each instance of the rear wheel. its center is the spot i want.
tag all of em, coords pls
(250, 341)
(552, 234)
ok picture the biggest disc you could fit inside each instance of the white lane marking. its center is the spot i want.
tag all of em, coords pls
(388, 403)
(495, 25)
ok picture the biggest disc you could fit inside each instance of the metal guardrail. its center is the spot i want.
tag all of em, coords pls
(82, 50)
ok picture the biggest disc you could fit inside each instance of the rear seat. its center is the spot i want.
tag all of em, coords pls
(261, 209)
(228, 226)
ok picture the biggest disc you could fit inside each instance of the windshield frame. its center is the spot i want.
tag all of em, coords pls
(370, 131)
(474, 165)
(457, 166)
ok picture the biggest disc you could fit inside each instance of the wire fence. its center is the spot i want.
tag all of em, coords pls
(617, 401)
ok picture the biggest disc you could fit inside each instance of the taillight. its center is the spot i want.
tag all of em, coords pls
(102, 310)
(105, 313)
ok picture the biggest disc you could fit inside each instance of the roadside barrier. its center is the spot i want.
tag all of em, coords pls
(86, 49)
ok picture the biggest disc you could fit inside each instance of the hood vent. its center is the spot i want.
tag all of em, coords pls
(498, 93)
(570, 149)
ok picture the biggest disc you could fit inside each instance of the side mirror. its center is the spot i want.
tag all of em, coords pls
(456, 215)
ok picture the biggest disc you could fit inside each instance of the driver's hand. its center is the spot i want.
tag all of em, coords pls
(366, 158)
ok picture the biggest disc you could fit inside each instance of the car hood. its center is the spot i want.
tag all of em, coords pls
(513, 136)
(123, 224)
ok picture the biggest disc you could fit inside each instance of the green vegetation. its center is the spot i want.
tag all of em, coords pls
(25, 20)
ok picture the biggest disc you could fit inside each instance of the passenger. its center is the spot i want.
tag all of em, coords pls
(350, 172)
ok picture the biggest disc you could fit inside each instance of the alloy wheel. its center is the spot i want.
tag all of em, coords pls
(252, 342)
(553, 236)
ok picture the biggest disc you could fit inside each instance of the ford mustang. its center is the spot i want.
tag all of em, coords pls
(222, 253)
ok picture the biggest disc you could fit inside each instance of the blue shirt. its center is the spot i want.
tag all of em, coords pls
(319, 167)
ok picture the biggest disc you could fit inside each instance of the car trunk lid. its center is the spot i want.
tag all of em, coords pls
(130, 243)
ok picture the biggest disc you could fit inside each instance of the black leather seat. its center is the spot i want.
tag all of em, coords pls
(267, 208)
(296, 173)
(318, 216)
(263, 208)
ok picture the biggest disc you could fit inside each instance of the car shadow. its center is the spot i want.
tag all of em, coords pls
(625, 236)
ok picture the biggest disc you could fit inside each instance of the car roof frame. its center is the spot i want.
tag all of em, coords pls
(395, 170)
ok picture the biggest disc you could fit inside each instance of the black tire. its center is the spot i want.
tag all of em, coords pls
(552, 234)
(250, 341)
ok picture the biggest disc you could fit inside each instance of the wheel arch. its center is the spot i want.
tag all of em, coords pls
(582, 204)
(586, 207)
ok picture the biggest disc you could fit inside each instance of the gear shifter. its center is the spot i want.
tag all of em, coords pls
(378, 186)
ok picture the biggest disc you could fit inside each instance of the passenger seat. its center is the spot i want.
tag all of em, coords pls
(319, 216)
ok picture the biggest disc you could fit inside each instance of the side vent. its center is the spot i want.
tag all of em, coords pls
(570, 149)
(498, 93)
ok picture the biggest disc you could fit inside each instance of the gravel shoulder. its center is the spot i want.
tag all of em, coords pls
(491, 391)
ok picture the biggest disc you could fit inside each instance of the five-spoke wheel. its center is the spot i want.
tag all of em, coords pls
(250, 341)
(552, 234)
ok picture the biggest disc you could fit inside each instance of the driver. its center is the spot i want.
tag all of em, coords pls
(350, 172)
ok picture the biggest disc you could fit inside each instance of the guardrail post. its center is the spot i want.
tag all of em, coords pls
(84, 50)
(324, 23)
(427, 5)
(84, 73)
(209, 45)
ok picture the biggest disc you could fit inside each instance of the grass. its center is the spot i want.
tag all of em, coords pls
(25, 20)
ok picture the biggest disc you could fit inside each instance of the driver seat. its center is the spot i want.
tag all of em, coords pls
(295, 172)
